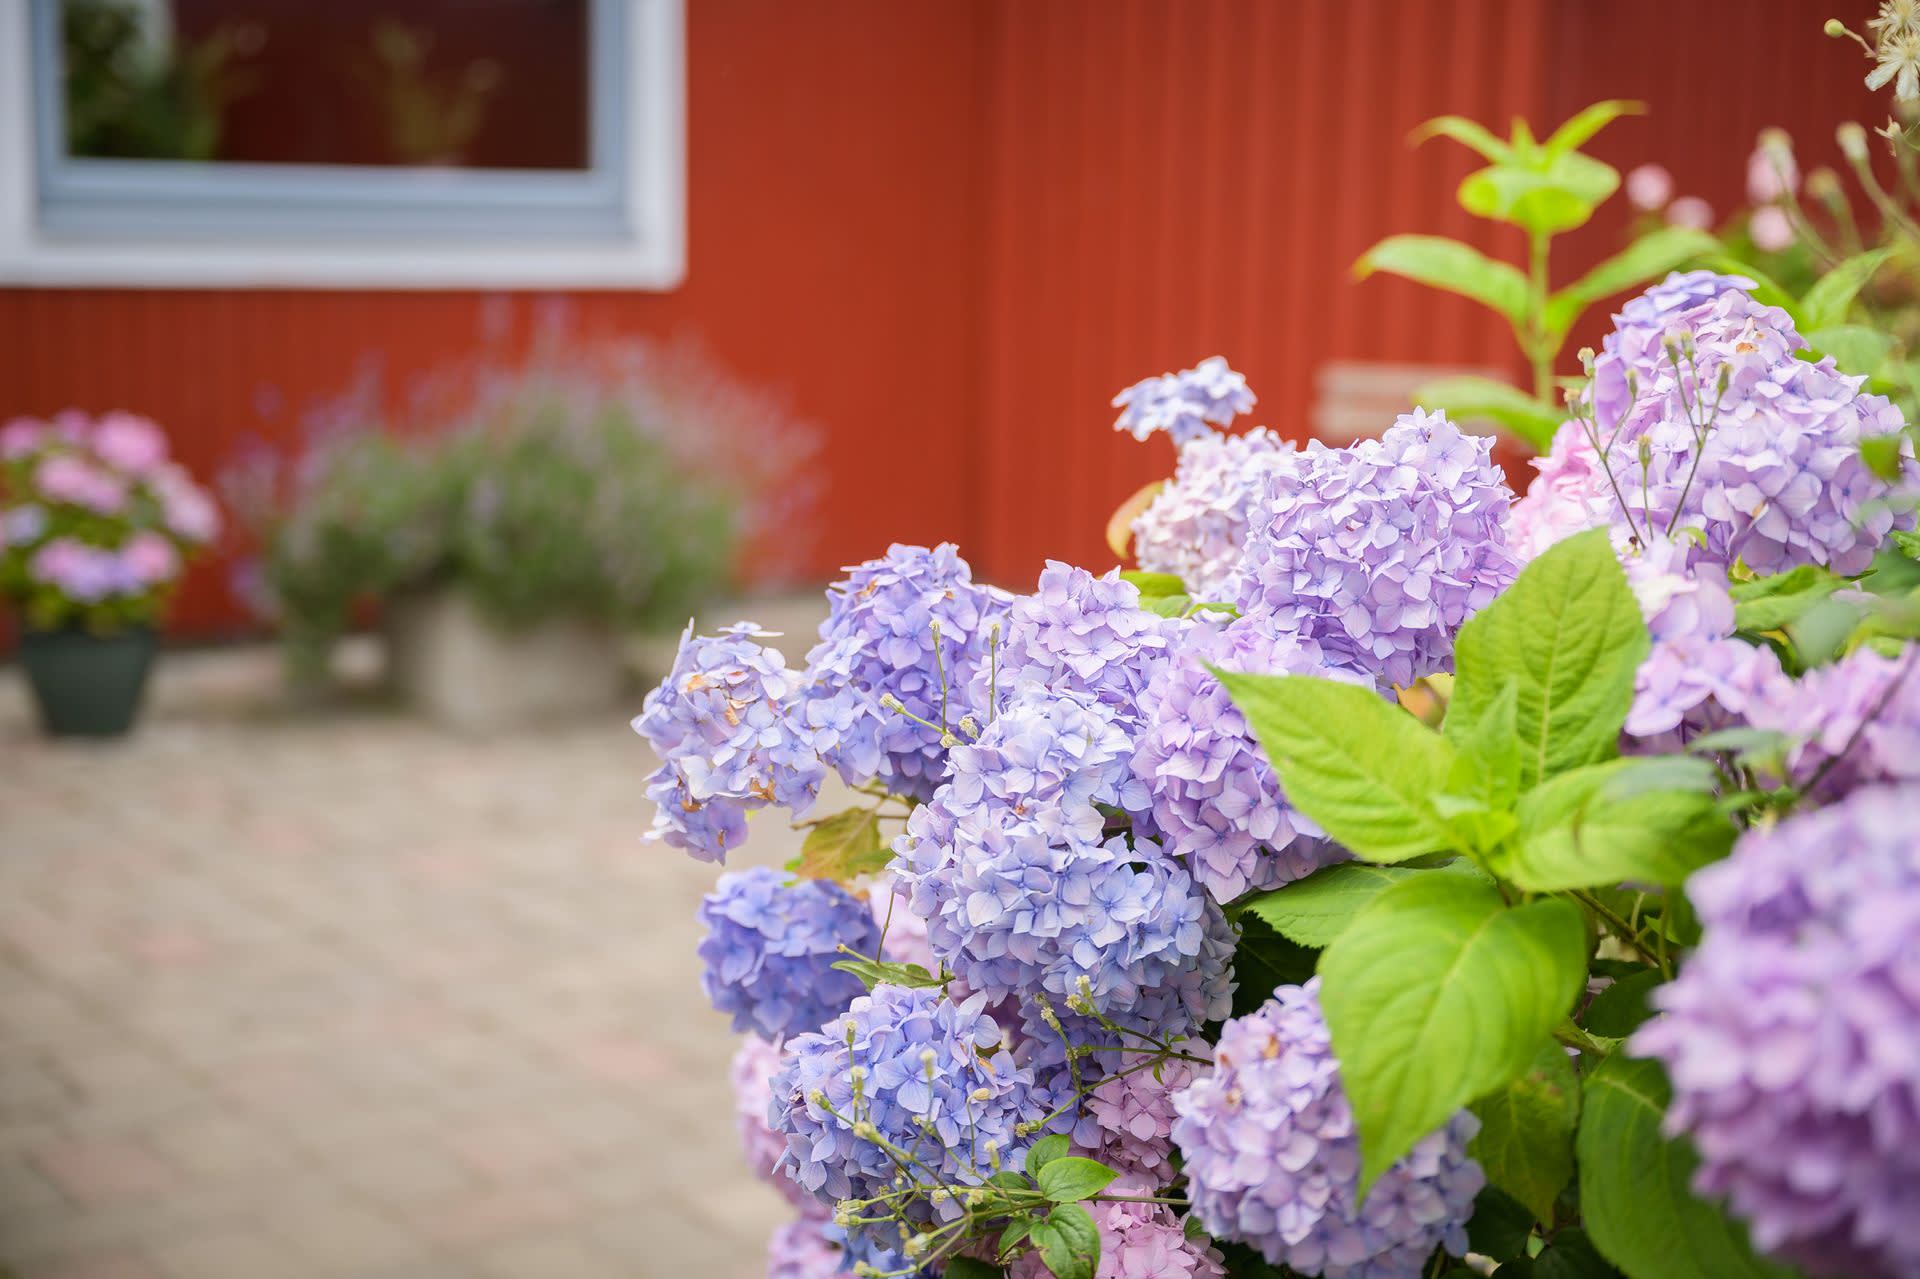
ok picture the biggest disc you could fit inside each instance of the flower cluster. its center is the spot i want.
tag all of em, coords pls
(1851, 724)
(1380, 551)
(1570, 494)
(1183, 404)
(1272, 1157)
(1128, 1119)
(771, 945)
(805, 1248)
(1139, 1241)
(1216, 801)
(723, 724)
(1196, 527)
(1632, 354)
(905, 1075)
(1789, 1036)
(1078, 633)
(912, 626)
(95, 519)
(755, 1062)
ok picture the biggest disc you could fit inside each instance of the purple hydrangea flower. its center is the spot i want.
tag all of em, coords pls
(1216, 801)
(1013, 912)
(723, 723)
(755, 1062)
(1078, 633)
(913, 625)
(188, 512)
(1380, 551)
(1196, 528)
(1182, 404)
(806, 1248)
(1126, 1122)
(1640, 329)
(22, 524)
(1792, 1036)
(1853, 724)
(84, 574)
(1776, 479)
(932, 1077)
(1138, 1241)
(1048, 759)
(1272, 1158)
(771, 944)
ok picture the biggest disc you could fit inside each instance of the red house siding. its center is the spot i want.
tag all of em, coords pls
(949, 232)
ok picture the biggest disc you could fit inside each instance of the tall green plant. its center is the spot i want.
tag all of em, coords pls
(1545, 189)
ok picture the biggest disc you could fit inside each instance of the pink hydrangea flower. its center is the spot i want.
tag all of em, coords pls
(1568, 496)
(129, 443)
(1138, 1241)
(190, 514)
(76, 482)
(149, 559)
(1127, 1120)
(20, 437)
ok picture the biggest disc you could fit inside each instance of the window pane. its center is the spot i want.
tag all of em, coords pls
(484, 84)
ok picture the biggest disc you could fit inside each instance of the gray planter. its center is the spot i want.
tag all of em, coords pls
(450, 662)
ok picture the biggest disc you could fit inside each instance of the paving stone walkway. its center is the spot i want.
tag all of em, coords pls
(349, 996)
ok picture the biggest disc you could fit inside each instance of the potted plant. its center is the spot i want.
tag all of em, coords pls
(510, 544)
(96, 523)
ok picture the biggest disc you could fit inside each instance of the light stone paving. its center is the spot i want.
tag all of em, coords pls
(346, 995)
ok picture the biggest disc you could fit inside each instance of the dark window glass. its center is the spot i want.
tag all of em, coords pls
(479, 84)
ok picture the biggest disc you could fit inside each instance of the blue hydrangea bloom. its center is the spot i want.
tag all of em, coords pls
(1792, 1036)
(912, 624)
(1272, 1158)
(1216, 801)
(1380, 551)
(1196, 528)
(1078, 633)
(771, 944)
(722, 722)
(933, 1077)
(1012, 912)
(1183, 404)
(1640, 329)
(1779, 480)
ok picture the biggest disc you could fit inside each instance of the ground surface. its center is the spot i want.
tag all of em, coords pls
(345, 995)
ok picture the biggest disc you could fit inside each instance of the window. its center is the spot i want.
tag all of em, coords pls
(463, 143)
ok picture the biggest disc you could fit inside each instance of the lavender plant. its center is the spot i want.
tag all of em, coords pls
(1188, 949)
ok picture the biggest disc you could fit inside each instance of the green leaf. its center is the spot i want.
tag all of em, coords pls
(1466, 398)
(1827, 302)
(1441, 263)
(1599, 825)
(1359, 766)
(1568, 636)
(1582, 126)
(1619, 1010)
(1264, 961)
(1070, 1178)
(1166, 605)
(1634, 1186)
(1315, 910)
(1151, 584)
(873, 972)
(1487, 764)
(844, 847)
(1820, 633)
(1856, 348)
(1885, 455)
(1045, 1151)
(1649, 257)
(1467, 133)
(1068, 1241)
(1769, 603)
(1016, 1232)
(972, 1268)
(1572, 1255)
(1525, 1142)
(1541, 198)
(1438, 993)
(1500, 1225)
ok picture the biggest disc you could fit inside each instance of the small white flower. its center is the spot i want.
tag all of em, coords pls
(1899, 61)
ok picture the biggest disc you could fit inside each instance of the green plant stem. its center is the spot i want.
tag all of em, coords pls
(1538, 344)
(1574, 1037)
(1620, 929)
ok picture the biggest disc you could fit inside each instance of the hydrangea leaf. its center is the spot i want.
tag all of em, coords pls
(1068, 1241)
(1826, 303)
(1360, 767)
(1856, 348)
(1572, 1255)
(1072, 1178)
(1466, 398)
(1440, 263)
(1152, 584)
(1500, 1226)
(1769, 603)
(1647, 258)
(1568, 636)
(1634, 1186)
(1439, 993)
(1596, 825)
(844, 847)
(1617, 1011)
(1525, 1142)
(873, 973)
(972, 1268)
(1315, 910)
(1263, 962)
(1045, 1151)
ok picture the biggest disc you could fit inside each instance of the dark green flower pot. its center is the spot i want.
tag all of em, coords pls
(87, 685)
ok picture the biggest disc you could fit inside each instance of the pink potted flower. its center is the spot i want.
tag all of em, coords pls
(95, 526)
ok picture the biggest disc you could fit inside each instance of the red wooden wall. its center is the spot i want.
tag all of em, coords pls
(950, 231)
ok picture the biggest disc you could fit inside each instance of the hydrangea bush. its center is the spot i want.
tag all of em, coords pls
(1396, 877)
(96, 520)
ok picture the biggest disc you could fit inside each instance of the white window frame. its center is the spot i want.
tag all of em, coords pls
(104, 222)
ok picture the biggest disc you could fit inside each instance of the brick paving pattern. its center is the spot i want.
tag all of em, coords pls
(351, 996)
